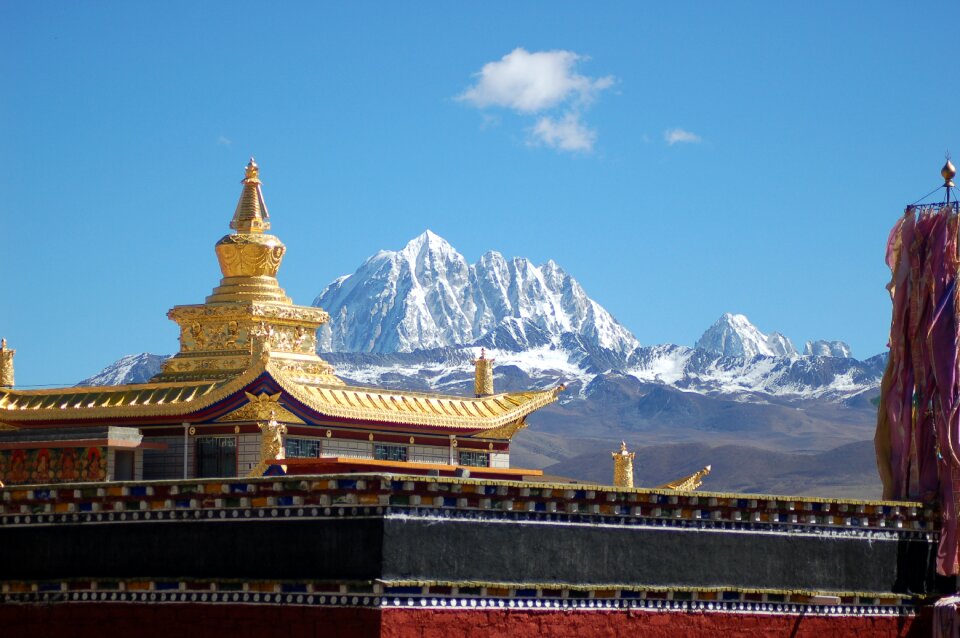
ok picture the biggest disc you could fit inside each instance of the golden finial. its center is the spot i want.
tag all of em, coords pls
(949, 171)
(252, 171)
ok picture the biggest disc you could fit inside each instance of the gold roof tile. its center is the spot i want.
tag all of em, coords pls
(475, 415)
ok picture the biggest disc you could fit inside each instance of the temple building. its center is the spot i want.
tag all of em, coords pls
(247, 388)
(260, 494)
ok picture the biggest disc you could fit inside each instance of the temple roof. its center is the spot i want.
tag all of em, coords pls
(499, 415)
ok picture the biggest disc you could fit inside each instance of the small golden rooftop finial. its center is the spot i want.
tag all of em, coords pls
(949, 171)
(252, 171)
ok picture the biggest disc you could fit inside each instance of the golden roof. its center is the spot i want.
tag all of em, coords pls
(498, 415)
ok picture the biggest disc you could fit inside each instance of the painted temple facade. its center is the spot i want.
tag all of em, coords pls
(247, 388)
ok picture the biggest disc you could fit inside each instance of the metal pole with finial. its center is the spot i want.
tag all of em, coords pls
(949, 171)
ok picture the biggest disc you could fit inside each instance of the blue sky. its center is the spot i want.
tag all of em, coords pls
(799, 131)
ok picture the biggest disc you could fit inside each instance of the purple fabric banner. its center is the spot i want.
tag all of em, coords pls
(918, 420)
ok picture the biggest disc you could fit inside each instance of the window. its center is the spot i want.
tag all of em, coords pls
(123, 462)
(389, 452)
(302, 448)
(216, 456)
(474, 459)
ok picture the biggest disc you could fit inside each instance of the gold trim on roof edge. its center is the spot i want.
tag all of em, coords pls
(687, 483)
(415, 412)
(378, 405)
(504, 432)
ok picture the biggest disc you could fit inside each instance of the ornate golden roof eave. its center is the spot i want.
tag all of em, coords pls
(523, 404)
(687, 483)
(111, 402)
(502, 433)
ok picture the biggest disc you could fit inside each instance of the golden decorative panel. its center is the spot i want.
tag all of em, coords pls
(260, 408)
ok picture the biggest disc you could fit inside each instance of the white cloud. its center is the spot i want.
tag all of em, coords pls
(544, 83)
(680, 136)
(531, 82)
(223, 140)
(567, 133)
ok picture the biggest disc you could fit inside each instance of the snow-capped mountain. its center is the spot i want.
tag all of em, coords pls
(734, 336)
(427, 296)
(134, 368)
(416, 318)
(822, 348)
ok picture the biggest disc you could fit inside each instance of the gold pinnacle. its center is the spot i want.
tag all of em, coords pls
(949, 171)
(252, 171)
(251, 216)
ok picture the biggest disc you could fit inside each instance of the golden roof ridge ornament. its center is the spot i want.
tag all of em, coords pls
(623, 466)
(948, 172)
(483, 375)
(6, 364)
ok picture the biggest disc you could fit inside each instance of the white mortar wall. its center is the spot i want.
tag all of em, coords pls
(248, 453)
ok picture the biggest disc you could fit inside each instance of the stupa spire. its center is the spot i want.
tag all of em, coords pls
(251, 215)
(249, 258)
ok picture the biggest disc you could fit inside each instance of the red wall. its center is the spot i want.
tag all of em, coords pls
(128, 620)
(402, 623)
(132, 620)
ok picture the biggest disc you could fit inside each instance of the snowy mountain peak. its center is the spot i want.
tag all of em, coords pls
(822, 348)
(133, 368)
(428, 241)
(427, 296)
(734, 336)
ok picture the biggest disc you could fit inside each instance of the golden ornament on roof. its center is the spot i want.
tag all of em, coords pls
(949, 171)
